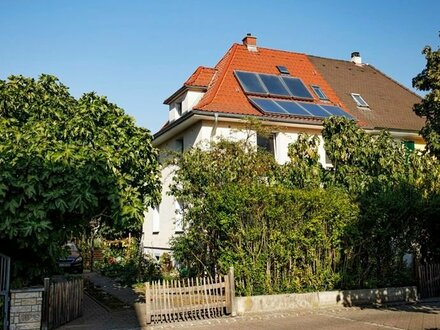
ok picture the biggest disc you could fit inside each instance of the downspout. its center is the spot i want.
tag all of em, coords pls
(214, 128)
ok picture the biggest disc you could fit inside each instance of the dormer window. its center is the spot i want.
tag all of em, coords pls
(319, 92)
(360, 102)
(179, 108)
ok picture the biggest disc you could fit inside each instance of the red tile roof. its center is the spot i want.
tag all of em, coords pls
(225, 94)
(201, 77)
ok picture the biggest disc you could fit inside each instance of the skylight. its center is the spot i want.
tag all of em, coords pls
(319, 92)
(282, 69)
(360, 102)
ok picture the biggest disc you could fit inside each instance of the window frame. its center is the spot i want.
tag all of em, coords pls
(360, 101)
(270, 145)
(316, 87)
(178, 107)
(155, 220)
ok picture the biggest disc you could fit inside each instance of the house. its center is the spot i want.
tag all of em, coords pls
(290, 92)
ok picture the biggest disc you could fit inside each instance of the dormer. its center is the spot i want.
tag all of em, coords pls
(187, 97)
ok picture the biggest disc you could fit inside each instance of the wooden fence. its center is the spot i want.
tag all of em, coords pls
(429, 280)
(189, 299)
(62, 302)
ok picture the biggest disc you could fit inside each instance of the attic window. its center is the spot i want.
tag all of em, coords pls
(282, 69)
(179, 108)
(319, 92)
(360, 102)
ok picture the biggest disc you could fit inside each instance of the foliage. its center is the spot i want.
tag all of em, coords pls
(64, 162)
(299, 227)
(278, 239)
(304, 169)
(394, 189)
(124, 262)
(429, 81)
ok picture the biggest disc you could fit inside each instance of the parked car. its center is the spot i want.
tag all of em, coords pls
(73, 262)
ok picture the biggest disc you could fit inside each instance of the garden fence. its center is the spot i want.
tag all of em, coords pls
(190, 299)
(62, 301)
(429, 280)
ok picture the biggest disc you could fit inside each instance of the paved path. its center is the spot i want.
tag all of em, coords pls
(124, 294)
(422, 316)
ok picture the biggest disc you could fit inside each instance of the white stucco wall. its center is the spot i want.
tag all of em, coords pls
(188, 101)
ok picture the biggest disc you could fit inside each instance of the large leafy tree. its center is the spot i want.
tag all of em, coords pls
(63, 163)
(397, 192)
(429, 81)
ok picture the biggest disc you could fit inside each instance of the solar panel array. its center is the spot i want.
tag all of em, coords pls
(284, 86)
(296, 108)
(273, 85)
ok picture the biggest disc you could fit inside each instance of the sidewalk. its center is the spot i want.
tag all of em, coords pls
(422, 316)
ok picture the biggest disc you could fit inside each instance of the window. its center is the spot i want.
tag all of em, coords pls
(179, 145)
(319, 92)
(179, 217)
(179, 108)
(266, 143)
(156, 222)
(360, 102)
(282, 69)
(328, 162)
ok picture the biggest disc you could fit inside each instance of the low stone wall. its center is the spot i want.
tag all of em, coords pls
(313, 300)
(25, 308)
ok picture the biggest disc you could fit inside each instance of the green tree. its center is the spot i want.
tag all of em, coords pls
(304, 169)
(397, 194)
(64, 162)
(429, 81)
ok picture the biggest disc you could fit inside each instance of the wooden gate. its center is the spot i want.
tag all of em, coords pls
(62, 301)
(190, 299)
(429, 280)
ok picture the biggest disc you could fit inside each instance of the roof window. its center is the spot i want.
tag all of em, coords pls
(360, 102)
(282, 69)
(319, 92)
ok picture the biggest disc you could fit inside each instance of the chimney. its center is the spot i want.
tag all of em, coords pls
(250, 42)
(356, 58)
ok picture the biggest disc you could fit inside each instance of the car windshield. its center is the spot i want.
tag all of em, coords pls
(72, 247)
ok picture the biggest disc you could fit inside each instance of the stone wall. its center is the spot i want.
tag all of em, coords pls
(25, 312)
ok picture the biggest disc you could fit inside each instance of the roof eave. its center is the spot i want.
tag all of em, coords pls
(193, 116)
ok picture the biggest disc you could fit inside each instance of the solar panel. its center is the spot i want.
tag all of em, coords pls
(315, 109)
(336, 111)
(297, 88)
(293, 108)
(250, 82)
(267, 105)
(274, 85)
(282, 69)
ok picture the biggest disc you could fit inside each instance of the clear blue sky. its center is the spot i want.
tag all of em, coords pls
(139, 52)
